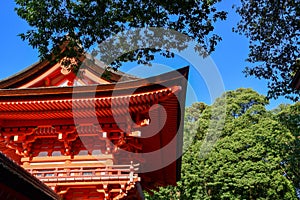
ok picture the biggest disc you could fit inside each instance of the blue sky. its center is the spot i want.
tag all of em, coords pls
(229, 57)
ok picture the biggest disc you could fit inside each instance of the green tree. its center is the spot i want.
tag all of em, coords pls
(248, 164)
(191, 125)
(289, 116)
(273, 30)
(247, 161)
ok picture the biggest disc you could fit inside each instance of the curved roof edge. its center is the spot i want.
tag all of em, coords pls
(40, 67)
(162, 79)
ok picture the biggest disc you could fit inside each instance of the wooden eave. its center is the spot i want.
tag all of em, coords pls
(65, 108)
(21, 183)
(122, 88)
(25, 75)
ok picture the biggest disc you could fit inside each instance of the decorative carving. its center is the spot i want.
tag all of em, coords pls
(67, 65)
(66, 135)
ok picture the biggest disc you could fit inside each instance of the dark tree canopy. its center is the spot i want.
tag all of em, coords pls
(273, 28)
(90, 22)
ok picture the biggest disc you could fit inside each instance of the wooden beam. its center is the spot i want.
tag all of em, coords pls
(58, 122)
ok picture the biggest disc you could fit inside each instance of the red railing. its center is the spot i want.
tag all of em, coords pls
(75, 173)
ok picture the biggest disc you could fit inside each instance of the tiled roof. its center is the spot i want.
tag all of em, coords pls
(21, 183)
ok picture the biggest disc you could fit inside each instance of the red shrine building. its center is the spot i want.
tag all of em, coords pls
(89, 136)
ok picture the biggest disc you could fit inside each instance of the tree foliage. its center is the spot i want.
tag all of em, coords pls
(289, 116)
(251, 159)
(90, 22)
(273, 28)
